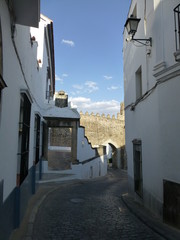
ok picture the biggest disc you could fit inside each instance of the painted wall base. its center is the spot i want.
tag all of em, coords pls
(14, 207)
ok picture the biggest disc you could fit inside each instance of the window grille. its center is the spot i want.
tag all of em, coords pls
(139, 83)
(37, 137)
(49, 92)
(138, 177)
(1, 52)
(177, 26)
(24, 131)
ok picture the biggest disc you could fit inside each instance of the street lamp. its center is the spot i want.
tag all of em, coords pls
(131, 26)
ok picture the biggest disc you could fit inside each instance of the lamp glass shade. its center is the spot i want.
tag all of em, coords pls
(132, 25)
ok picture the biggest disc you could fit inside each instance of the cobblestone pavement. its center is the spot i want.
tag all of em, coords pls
(90, 210)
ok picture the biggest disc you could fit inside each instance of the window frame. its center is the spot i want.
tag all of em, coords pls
(138, 172)
(24, 137)
(138, 79)
(2, 82)
(177, 26)
(37, 124)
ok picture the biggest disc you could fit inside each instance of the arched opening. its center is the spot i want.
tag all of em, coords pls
(112, 156)
(115, 154)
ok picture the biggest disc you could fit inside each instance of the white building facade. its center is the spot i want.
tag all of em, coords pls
(27, 79)
(152, 115)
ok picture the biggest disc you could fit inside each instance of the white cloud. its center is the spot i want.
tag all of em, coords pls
(91, 86)
(87, 87)
(80, 100)
(68, 42)
(108, 77)
(77, 86)
(113, 88)
(64, 75)
(83, 104)
(57, 78)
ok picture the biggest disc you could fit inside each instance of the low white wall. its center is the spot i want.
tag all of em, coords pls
(95, 168)
(84, 149)
(58, 148)
(92, 168)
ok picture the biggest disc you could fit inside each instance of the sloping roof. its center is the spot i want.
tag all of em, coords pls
(56, 112)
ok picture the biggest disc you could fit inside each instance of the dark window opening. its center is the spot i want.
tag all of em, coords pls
(44, 140)
(1, 52)
(49, 92)
(138, 83)
(37, 137)
(2, 82)
(177, 26)
(138, 179)
(24, 131)
(171, 208)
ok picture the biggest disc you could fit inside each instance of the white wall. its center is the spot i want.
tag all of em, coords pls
(18, 76)
(155, 120)
(84, 148)
(10, 107)
(95, 168)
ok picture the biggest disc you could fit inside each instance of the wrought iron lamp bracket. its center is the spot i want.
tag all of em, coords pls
(145, 42)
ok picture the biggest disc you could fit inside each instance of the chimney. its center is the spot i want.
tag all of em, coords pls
(61, 99)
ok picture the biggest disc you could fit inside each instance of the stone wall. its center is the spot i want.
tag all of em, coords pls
(101, 129)
(60, 137)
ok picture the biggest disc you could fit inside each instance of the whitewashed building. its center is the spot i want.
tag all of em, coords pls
(66, 149)
(152, 115)
(27, 77)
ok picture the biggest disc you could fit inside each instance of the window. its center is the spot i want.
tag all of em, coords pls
(36, 137)
(177, 26)
(49, 93)
(24, 130)
(1, 53)
(138, 179)
(2, 83)
(138, 83)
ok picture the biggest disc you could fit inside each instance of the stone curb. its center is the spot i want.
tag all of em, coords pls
(164, 230)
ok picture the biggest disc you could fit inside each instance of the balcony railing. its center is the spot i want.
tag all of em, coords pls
(177, 26)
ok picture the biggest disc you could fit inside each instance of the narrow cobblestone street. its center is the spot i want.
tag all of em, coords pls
(90, 210)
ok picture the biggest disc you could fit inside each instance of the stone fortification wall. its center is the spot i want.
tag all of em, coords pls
(100, 129)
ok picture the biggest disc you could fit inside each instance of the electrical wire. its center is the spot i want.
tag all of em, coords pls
(145, 95)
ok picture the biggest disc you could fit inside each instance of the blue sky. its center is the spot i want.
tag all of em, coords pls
(88, 38)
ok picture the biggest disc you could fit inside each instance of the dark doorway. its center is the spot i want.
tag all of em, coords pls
(171, 210)
(138, 179)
